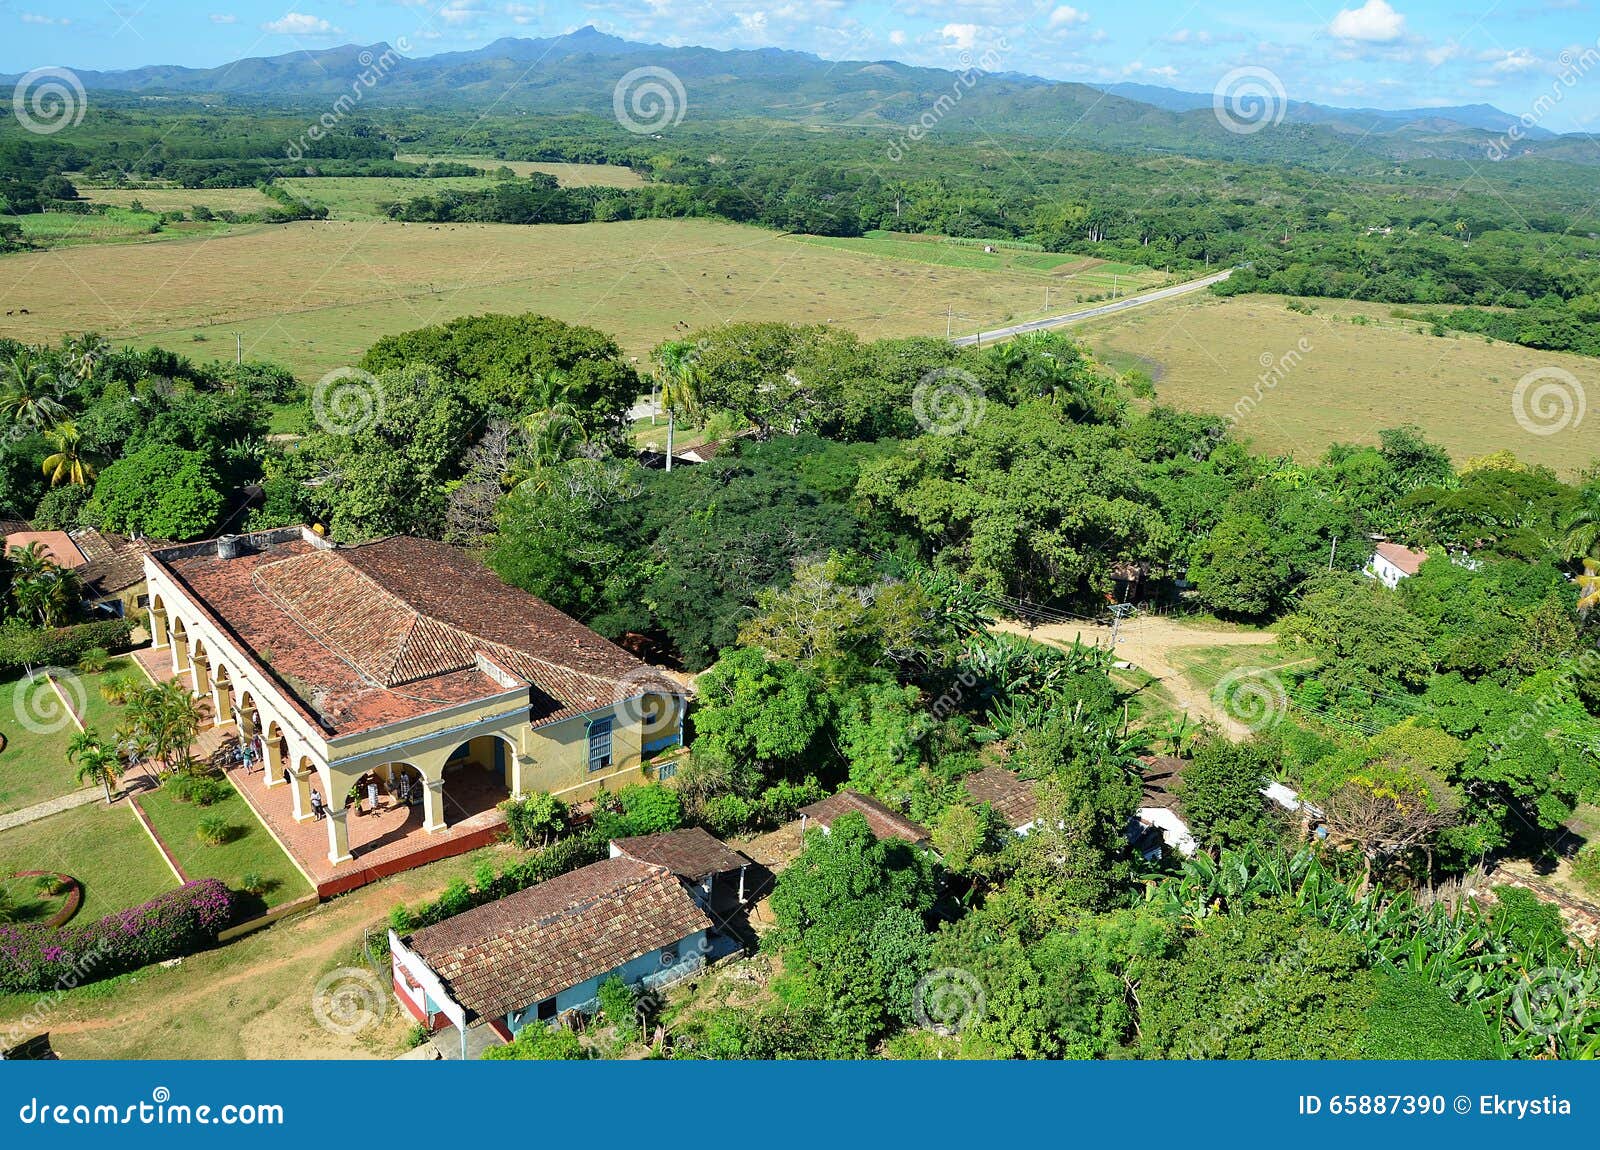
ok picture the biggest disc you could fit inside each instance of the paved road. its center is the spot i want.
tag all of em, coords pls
(1090, 313)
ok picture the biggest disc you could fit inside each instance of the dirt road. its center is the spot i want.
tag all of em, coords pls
(1148, 642)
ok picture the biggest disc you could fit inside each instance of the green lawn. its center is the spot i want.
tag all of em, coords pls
(65, 229)
(103, 847)
(1073, 271)
(1207, 665)
(251, 849)
(33, 766)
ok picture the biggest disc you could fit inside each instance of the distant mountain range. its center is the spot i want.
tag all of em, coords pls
(578, 72)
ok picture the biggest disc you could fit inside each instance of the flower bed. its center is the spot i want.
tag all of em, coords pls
(74, 895)
(35, 958)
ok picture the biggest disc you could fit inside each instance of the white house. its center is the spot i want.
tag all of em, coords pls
(1391, 563)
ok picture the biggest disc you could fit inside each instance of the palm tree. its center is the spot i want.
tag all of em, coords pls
(26, 399)
(1582, 537)
(83, 354)
(68, 464)
(165, 719)
(42, 587)
(96, 762)
(678, 370)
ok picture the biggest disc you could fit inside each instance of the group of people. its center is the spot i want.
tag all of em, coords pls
(406, 793)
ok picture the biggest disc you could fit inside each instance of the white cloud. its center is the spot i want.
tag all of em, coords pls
(1444, 53)
(1066, 14)
(1520, 60)
(224, 18)
(524, 13)
(35, 18)
(299, 24)
(1375, 22)
(963, 36)
(897, 37)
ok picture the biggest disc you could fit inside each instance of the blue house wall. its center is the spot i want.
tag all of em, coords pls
(688, 953)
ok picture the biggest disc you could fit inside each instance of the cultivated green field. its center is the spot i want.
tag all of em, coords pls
(568, 175)
(1363, 369)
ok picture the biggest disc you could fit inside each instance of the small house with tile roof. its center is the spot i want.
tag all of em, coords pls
(405, 665)
(885, 822)
(695, 856)
(535, 955)
(1009, 795)
(1392, 562)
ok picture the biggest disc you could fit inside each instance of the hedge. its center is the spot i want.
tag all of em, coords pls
(37, 958)
(556, 859)
(22, 646)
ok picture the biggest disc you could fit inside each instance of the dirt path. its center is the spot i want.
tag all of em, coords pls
(1148, 643)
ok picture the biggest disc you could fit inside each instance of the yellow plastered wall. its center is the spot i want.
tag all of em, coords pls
(560, 758)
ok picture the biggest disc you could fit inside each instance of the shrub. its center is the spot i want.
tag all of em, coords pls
(201, 790)
(1413, 1019)
(22, 646)
(646, 809)
(119, 688)
(616, 1003)
(253, 883)
(540, 1043)
(214, 830)
(36, 958)
(1586, 868)
(556, 859)
(535, 820)
(726, 814)
(93, 661)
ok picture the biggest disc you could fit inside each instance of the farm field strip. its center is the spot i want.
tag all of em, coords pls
(567, 175)
(314, 296)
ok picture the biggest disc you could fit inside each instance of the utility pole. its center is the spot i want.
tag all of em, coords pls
(1047, 297)
(950, 316)
(1332, 551)
(238, 348)
(1118, 610)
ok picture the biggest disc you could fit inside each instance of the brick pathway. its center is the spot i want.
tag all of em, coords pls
(50, 807)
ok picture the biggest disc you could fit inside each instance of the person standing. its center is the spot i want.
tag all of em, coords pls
(372, 794)
(316, 803)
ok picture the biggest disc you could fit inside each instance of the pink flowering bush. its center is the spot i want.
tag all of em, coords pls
(34, 958)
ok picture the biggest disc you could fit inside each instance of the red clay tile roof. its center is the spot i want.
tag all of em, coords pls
(1404, 558)
(530, 946)
(885, 822)
(691, 853)
(364, 636)
(114, 562)
(1012, 798)
(58, 545)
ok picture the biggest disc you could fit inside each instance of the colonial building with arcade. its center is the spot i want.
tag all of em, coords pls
(401, 667)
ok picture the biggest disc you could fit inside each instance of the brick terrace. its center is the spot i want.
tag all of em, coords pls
(385, 843)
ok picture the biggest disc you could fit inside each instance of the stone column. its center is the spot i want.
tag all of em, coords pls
(521, 766)
(180, 653)
(222, 703)
(158, 628)
(302, 794)
(338, 835)
(274, 771)
(433, 805)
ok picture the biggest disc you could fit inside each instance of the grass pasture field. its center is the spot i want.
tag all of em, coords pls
(315, 296)
(1077, 275)
(567, 175)
(363, 197)
(1361, 370)
(173, 199)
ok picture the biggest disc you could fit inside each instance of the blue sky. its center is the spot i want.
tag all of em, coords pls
(1381, 53)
